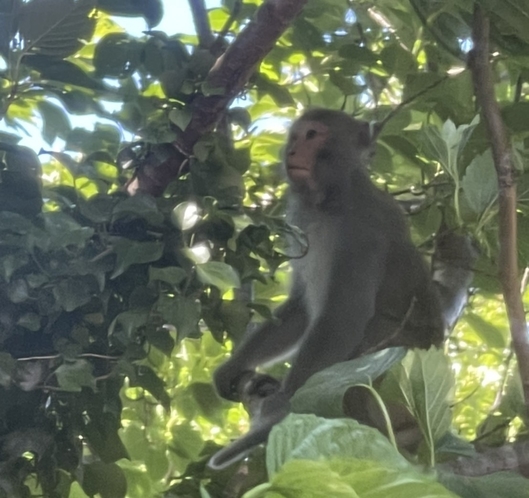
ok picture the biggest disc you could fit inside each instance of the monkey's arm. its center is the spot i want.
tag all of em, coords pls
(354, 280)
(272, 340)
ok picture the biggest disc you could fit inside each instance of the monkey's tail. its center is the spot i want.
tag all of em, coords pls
(239, 448)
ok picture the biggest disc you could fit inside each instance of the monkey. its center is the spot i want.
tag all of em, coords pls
(361, 286)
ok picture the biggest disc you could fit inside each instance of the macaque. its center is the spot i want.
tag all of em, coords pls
(362, 285)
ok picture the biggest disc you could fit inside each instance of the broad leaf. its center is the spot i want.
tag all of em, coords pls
(323, 393)
(480, 183)
(424, 382)
(219, 274)
(308, 437)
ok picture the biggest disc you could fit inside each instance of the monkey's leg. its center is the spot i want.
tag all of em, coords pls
(273, 340)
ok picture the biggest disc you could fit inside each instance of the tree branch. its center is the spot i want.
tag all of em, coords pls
(510, 457)
(226, 80)
(201, 21)
(233, 69)
(508, 257)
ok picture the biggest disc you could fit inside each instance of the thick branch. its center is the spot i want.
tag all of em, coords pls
(233, 69)
(508, 257)
(228, 77)
(511, 457)
(200, 18)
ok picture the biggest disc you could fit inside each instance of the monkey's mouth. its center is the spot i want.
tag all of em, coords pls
(296, 168)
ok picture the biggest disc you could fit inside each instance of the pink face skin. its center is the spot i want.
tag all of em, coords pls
(306, 139)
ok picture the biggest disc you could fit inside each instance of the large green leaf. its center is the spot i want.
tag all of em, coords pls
(56, 27)
(424, 382)
(480, 183)
(352, 478)
(323, 393)
(308, 437)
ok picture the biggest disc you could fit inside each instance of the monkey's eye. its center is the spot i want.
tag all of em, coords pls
(311, 134)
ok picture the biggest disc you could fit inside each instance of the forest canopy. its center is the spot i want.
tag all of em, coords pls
(148, 232)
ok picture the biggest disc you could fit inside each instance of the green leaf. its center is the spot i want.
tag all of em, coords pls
(30, 321)
(308, 437)
(72, 293)
(56, 27)
(180, 117)
(480, 183)
(11, 263)
(55, 121)
(491, 335)
(129, 252)
(17, 291)
(351, 478)
(173, 275)
(513, 17)
(141, 206)
(187, 441)
(345, 83)
(63, 231)
(182, 312)
(72, 376)
(219, 274)
(156, 462)
(161, 339)
(107, 479)
(150, 10)
(146, 378)
(361, 55)
(185, 215)
(117, 55)
(280, 94)
(454, 445)
(207, 400)
(63, 71)
(516, 116)
(424, 382)
(323, 393)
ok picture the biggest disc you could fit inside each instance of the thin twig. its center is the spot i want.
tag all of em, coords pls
(411, 99)
(216, 47)
(201, 21)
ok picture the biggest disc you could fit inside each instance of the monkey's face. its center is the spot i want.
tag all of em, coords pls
(305, 144)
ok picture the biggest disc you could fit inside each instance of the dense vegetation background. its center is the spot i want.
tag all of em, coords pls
(134, 254)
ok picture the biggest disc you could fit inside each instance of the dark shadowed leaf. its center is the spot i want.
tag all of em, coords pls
(105, 479)
(72, 376)
(129, 252)
(146, 378)
(56, 27)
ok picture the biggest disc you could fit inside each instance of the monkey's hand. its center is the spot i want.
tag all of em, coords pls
(252, 391)
(272, 410)
(230, 382)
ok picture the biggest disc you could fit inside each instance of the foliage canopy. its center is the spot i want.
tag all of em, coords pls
(115, 308)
